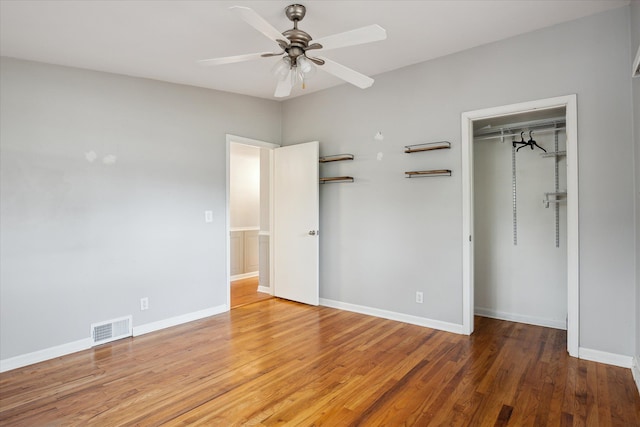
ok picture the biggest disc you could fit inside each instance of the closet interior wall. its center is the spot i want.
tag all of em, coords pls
(526, 280)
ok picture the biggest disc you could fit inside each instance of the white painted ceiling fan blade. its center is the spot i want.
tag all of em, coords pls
(231, 59)
(252, 18)
(346, 74)
(368, 34)
(284, 86)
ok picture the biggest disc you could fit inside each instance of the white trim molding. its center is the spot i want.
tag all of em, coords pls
(178, 320)
(45, 354)
(635, 370)
(232, 229)
(392, 315)
(244, 275)
(520, 318)
(264, 289)
(604, 357)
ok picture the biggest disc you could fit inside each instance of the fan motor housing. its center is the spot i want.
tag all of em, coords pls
(297, 37)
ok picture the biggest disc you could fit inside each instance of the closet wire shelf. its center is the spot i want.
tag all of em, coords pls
(554, 154)
(558, 197)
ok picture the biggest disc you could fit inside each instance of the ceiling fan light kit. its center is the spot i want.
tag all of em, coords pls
(296, 66)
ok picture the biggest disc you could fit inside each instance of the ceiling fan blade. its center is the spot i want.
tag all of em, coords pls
(346, 74)
(232, 59)
(284, 86)
(252, 18)
(370, 33)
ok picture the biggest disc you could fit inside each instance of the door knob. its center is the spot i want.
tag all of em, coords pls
(312, 233)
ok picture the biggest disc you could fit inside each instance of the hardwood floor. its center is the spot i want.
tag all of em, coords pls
(276, 362)
(245, 291)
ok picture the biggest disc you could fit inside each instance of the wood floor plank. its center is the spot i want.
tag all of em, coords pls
(556, 374)
(276, 362)
(604, 402)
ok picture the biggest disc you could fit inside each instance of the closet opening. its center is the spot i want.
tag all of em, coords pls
(520, 216)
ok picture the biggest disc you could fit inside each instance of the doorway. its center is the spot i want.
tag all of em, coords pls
(248, 195)
(568, 105)
(291, 263)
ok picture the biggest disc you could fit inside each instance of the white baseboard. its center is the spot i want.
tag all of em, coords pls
(392, 315)
(530, 320)
(244, 275)
(85, 344)
(604, 357)
(178, 320)
(45, 354)
(264, 289)
(635, 370)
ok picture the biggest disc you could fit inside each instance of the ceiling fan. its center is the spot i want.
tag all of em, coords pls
(296, 65)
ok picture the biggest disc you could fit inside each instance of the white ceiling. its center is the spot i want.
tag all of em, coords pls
(163, 39)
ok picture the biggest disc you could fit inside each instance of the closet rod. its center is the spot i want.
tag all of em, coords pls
(517, 133)
(490, 129)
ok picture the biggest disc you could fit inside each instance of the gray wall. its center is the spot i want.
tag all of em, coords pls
(244, 186)
(265, 189)
(82, 241)
(635, 42)
(265, 216)
(384, 236)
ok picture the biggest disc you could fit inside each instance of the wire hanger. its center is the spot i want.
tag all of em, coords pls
(529, 143)
(522, 141)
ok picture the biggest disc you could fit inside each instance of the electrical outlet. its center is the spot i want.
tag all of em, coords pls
(144, 303)
(419, 297)
(208, 216)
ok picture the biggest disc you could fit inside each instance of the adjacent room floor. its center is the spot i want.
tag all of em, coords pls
(245, 291)
(278, 362)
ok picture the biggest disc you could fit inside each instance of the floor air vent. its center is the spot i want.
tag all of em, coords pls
(111, 330)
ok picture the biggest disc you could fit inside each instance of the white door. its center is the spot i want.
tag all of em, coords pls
(295, 223)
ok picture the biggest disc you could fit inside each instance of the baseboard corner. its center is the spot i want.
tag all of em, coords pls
(635, 370)
(264, 289)
(178, 320)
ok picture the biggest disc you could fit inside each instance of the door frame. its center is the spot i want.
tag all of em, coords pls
(254, 143)
(573, 253)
